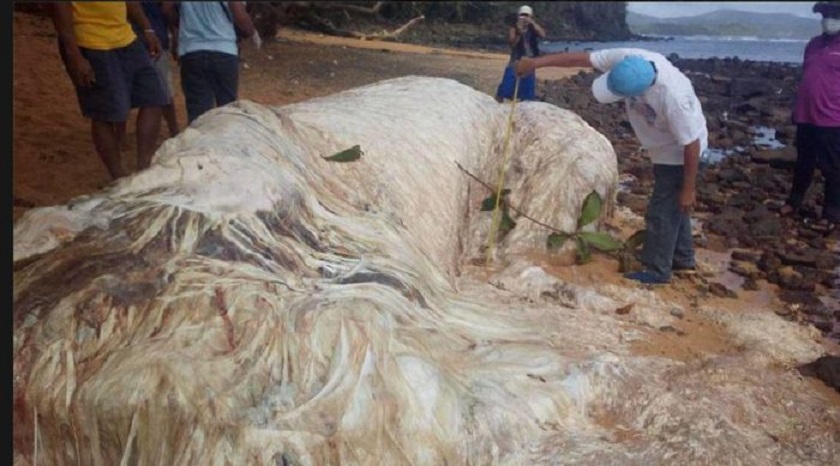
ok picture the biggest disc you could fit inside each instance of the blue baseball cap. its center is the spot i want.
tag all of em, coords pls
(630, 77)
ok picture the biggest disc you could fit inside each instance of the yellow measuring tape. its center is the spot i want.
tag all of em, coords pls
(494, 227)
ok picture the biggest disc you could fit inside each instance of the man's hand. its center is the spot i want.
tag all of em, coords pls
(80, 71)
(688, 197)
(524, 67)
(152, 43)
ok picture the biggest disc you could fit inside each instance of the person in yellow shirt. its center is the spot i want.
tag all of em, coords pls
(112, 72)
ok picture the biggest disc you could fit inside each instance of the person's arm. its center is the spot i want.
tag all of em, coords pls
(513, 36)
(691, 162)
(241, 18)
(171, 14)
(136, 16)
(561, 60)
(537, 28)
(78, 67)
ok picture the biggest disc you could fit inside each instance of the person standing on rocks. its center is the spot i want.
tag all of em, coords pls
(817, 119)
(208, 51)
(522, 38)
(112, 73)
(668, 120)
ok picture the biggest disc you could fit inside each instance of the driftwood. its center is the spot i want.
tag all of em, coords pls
(327, 27)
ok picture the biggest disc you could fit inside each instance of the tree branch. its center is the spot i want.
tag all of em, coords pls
(512, 207)
(328, 27)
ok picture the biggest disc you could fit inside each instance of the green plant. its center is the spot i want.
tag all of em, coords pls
(585, 241)
(506, 223)
(627, 253)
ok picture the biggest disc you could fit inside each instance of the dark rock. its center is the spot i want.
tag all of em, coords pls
(745, 269)
(721, 291)
(824, 261)
(732, 175)
(756, 214)
(784, 157)
(746, 88)
(769, 262)
(791, 279)
(823, 326)
(805, 258)
(766, 227)
(750, 285)
(747, 256)
(786, 134)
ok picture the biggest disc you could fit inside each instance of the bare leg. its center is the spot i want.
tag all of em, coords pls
(148, 128)
(119, 130)
(171, 119)
(105, 137)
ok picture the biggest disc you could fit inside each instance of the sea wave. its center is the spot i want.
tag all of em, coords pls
(741, 39)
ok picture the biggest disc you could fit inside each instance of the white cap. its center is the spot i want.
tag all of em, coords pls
(525, 9)
(602, 93)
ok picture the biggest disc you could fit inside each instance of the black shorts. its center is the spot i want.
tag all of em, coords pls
(125, 79)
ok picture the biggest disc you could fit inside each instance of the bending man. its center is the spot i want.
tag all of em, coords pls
(668, 120)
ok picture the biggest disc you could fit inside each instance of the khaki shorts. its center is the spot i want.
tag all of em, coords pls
(163, 65)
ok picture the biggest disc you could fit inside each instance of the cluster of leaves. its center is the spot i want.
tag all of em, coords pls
(586, 240)
(506, 223)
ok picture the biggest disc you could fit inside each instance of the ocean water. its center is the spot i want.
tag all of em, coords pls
(746, 48)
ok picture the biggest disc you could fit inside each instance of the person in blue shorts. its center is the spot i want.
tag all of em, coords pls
(523, 38)
(112, 72)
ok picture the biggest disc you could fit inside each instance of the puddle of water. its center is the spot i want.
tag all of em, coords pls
(625, 182)
(763, 137)
(763, 297)
(719, 261)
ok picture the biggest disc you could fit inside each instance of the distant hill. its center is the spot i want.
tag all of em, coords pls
(727, 23)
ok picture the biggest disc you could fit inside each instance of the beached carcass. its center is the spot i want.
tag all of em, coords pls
(249, 299)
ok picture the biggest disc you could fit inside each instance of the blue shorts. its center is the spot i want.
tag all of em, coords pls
(527, 86)
(125, 79)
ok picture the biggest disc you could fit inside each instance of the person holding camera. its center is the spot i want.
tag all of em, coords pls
(523, 36)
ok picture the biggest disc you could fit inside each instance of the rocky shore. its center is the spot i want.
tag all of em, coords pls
(744, 182)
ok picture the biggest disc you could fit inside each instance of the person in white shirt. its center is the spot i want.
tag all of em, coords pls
(668, 120)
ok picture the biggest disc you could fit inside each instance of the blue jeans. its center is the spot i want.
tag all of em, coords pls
(527, 86)
(209, 79)
(668, 240)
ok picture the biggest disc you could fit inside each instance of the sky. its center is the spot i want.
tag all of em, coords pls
(673, 9)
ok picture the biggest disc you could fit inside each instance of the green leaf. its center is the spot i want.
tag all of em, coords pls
(635, 240)
(506, 224)
(555, 241)
(489, 204)
(347, 155)
(591, 209)
(601, 241)
(583, 253)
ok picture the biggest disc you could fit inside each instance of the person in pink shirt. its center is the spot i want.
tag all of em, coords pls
(817, 119)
